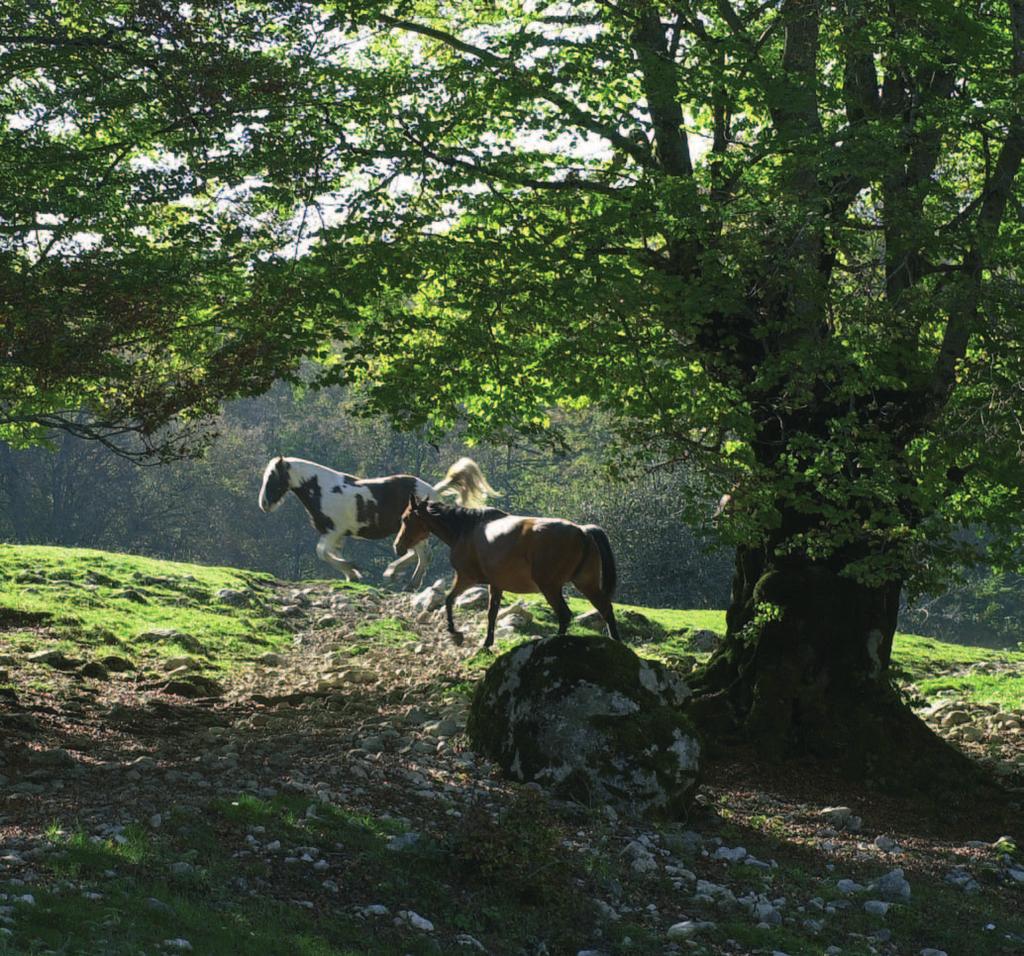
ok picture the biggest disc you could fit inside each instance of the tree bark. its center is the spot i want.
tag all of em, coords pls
(804, 671)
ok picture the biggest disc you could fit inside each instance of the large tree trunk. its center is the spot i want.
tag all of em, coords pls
(804, 670)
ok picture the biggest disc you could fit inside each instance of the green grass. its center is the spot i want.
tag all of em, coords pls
(385, 630)
(78, 600)
(1002, 689)
(934, 666)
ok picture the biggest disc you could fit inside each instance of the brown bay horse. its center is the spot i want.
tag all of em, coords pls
(515, 553)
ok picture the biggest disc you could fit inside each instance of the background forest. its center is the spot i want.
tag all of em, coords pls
(80, 494)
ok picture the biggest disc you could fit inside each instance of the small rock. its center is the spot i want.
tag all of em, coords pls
(892, 886)
(688, 929)
(55, 659)
(704, 641)
(117, 664)
(182, 945)
(95, 671)
(876, 907)
(232, 597)
(474, 599)
(730, 855)
(169, 635)
(416, 921)
(403, 841)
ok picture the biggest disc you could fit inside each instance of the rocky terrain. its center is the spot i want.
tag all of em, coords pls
(323, 799)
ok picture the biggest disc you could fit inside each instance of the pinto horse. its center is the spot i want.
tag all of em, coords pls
(342, 506)
(514, 553)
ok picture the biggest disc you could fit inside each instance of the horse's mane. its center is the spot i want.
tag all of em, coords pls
(459, 520)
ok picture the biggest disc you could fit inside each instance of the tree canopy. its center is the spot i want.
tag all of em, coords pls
(782, 240)
(152, 162)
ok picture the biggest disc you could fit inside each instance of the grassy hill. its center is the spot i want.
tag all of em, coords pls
(204, 759)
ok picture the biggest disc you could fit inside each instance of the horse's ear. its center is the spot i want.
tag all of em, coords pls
(413, 502)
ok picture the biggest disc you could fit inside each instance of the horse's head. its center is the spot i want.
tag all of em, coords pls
(276, 482)
(414, 525)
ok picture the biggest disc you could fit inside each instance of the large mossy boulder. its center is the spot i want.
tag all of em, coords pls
(590, 721)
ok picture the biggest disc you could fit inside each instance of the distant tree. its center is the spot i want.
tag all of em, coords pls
(780, 242)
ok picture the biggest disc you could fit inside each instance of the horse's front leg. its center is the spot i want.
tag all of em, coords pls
(458, 587)
(493, 606)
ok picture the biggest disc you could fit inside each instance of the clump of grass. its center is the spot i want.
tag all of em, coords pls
(385, 630)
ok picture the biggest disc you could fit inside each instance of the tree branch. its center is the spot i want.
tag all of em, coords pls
(530, 84)
(661, 90)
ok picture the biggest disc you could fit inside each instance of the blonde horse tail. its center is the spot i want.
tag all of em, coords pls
(467, 483)
(609, 574)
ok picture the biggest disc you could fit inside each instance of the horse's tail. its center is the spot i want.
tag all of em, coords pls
(609, 576)
(467, 483)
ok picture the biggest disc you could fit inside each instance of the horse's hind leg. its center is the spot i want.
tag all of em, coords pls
(422, 552)
(556, 599)
(327, 550)
(493, 606)
(398, 563)
(601, 602)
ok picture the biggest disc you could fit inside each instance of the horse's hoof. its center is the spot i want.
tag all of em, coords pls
(456, 637)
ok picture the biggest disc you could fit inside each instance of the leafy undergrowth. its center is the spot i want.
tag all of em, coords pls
(322, 806)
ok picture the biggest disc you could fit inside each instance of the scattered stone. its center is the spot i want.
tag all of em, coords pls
(232, 597)
(962, 879)
(842, 818)
(474, 599)
(730, 855)
(430, 598)
(58, 660)
(414, 920)
(892, 886)
(876, 907)
(182, 945)
(194, 687)
(403, 841)
(168, 635)
(95, 671)
(270, 659)
(704, 641)
(516, 616)
(117, 664)
(688, 929)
